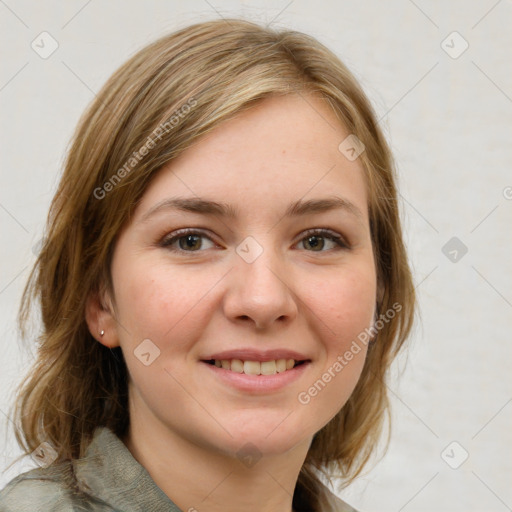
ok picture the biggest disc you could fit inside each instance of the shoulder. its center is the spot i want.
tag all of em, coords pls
(50, 489)
(336, 504)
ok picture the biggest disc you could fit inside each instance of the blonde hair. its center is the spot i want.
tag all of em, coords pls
(218, 68)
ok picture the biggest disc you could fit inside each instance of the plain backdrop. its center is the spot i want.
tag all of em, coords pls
(440, 77)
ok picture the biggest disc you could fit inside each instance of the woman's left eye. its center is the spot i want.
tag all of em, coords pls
(324, 234)
(191, 240)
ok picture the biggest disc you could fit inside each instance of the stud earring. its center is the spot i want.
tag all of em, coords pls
(102, 332)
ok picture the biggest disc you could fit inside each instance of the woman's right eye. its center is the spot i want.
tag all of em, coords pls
(188, 241)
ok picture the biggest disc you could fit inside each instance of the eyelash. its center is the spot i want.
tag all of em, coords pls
(167, 241)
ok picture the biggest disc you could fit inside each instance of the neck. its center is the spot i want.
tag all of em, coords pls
(197, 477)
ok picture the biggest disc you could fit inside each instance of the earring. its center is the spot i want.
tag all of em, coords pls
(102, 332)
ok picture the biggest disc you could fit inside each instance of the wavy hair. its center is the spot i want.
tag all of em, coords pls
(224, 66)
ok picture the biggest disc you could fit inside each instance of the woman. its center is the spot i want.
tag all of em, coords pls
(223, 285)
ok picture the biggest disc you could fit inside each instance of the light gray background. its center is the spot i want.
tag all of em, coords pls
(449, 123)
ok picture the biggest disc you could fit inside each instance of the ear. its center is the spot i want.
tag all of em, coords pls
(99, 315)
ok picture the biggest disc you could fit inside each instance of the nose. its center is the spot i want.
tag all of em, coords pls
(260, 292)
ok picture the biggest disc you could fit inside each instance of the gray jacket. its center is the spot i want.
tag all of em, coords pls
(107, 479)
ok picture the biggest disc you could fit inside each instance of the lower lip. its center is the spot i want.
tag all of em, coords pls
(258, 383)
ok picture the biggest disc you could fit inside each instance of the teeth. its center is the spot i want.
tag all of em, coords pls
(237, 366)
(281, 365)
(268, 368)
(252, 367)
(255, 367)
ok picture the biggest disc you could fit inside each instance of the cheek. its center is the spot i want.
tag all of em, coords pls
(166, 306)
(154, 299)
(347, 304)
(345, 309)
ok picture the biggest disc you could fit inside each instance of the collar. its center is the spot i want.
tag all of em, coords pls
(110, 473)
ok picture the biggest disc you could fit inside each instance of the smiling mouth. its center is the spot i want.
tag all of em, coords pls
(256, 367)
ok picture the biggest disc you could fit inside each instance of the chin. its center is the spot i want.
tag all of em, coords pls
(273, 437)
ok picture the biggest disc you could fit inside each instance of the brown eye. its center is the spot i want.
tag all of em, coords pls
(316, 240)
(187, 241)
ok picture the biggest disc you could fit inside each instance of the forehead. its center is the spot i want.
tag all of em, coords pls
(281, 149)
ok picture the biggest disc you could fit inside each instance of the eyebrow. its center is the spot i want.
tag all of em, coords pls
(214, 208)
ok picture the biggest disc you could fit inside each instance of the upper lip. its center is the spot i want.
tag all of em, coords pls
(247, 354)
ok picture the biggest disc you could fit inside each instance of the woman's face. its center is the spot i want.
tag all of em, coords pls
(195, 288)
